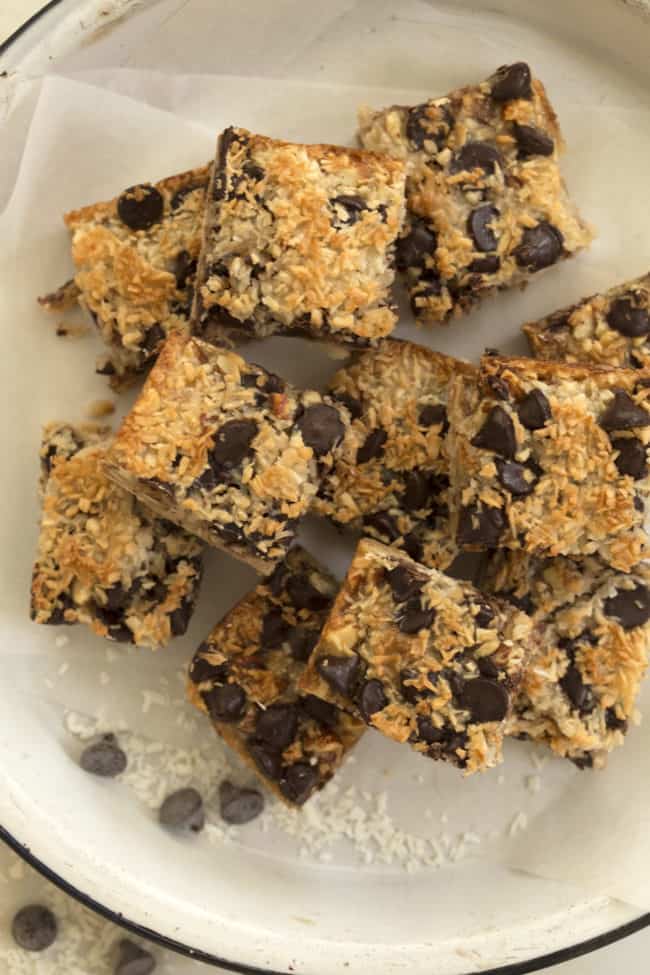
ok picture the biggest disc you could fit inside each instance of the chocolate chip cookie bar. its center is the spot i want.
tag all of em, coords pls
(487, 206)
(421, 657)
(245, 676)
(551, 459)
(579, 690)
(135, 259)
(225, 449)
(391, 475)
(298, 240)
(102, 559)
(609, 329)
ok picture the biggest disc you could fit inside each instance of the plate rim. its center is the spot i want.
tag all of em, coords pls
(538, 963)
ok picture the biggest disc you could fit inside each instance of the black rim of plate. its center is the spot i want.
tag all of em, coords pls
(518, 968)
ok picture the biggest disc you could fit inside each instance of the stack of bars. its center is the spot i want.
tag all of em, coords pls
(499, 585)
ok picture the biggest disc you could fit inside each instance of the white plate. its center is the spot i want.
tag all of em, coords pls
(254, 904)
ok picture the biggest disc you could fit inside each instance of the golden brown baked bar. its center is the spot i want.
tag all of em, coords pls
(551, 459)
(298, 240)
(226, 449)
(487, 206)
(102, 558)
(421, 657)
(611, 328)
(245, 676)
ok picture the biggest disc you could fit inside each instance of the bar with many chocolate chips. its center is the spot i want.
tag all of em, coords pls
(580, 688)
(421, 657)
(102, 559)
(135, 259)
(487, 206)
(245, 677)
(298, 240)
(611, 328)
(227, 450)
(551, 459)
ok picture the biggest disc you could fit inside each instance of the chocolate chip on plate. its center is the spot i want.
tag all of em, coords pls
(133, 960)
(373, 446)
(104, 758)
(622, 413)
(531, 141)
(412, 249)
(232, 442)
(480, 225)
(34, 927)
(225, 702)
(511, 81)
(485, 699)
(183, 810)
(371, 698)
(540, 246)
(627, 319)
(631, 458)
(341, 673)
(299, 781)
(321, 427)
(497, 433)
(534, 410)
(630, 607)
(480, 524)
(238, 806)
(140, 207)
(277, 726)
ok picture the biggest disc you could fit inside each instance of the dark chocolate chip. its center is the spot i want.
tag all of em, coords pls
(487, 668)
(226, 702)
(153, 337)
(404, 583)
(353, 405)
(534, 410)
(412, 249)
(481, 525)
(106, 368)
(485, 265)
(574, 687)
(302, 641)
(304, 595)
(373, 446)
(497, 433)
(511, 81)
(322, 712)
(613, 722)
(140, 207)
(104, 758)
(455, 680)
(428, 732)
(321, 427)
(299, 782)
(115, 624)
(277, 726)
(485, 699)
(268, 761)
(273, 384)
(383, 524)
(513, 477)
(413, 546)
(232, 443)
(475, 155)
(540, 247)
(133, 960)
(531, 141)
(275, 629)
(183, 809)
(639, 503)
(631, 458)
(413, 617)
(583, 762)
(253, 171)
(416, 492)
(421, 128)
(623, 413)
(341, 673)
(180, 617)
(479, 225)
(117, 597)
(180, 195)
(352, 207)
(203, 670)
(239, 806)
(624, 317)
(184, 268)
(34, 928)
(408, 691)
(468, 566)
(484, 616)
(371, 698)
(434, 414)
(631, 607)
(278, 578)
(428, 285)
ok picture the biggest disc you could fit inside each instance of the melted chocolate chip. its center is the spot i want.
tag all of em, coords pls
(268, 761)
(428, 732)
(613, 722)
(481, 525)
(180, 617)
(277, 726)
(475, 155)
(421, 128)
(414, 247)
(623, 413)
(225, 702)
(404, 583)
(630, 607)
(341, 673)
(485, 265)
(627, 319)
(321, 427)
(140, 207)
(302, 641)
(373, 446)
(631, 458)
(511, 81)
(534, 410)
(203, 670)
(253, 171)
(348, 209)
(413, 617)
(485, 699)
(531, 141)
(434, 414)
(513, 477)
(497, 433)
(299, 782)
(232, 443)
(540, 247)
(322, 712)
(480, 226)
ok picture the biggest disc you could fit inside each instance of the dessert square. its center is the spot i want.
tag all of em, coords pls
(245, 677)
(611, 328)
(225, 449)
(298, 240)
(421, 657)
(551, 459)
(102, 559)
(487, 206)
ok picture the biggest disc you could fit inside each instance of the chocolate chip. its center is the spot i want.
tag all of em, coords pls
(371, 698)
(253, 171)
(534, 410)
(408, 691)
(299, 782)
(133, 960)
(180, 195)
(434, 414)
(531, 141)
(184, 268)
(183, 809)
(304, 595)
(511, 81)
(631, 607)
(421, 128)
(428, 285)
(455, 680)
(540, 247)
(180, 617)
(239, 806)
(117, 597)
(583, 761)
(485, 265)
(487, 668)
(513, 478)
(413, 546)
(202, 669)
(268, 761)
(624, 317)
(115, 623)
(351, 207)
(153, 337)
(353, 406)
(486, 700)
(481, 525)
(383, 524)
(479, 225)
(475, 155)
(631, 458)
(414, 247)
(232, 443)
(404, 583)
(574, 687)
(140, 207)
(413, 617)
(497, 433)
(484, 616)
(623, 413)
(613, 722)
(341, 673)
(226, 702)
(322, 712)
(275, 630)
(373, 446)
(639, 503)
(321, 427)
(428, 732)
(104, 758)
(416, 491)
(34, 928)
(277, 726)
(468, 566)
(302, 641)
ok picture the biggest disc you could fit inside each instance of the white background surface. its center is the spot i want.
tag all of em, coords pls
(627, 957)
